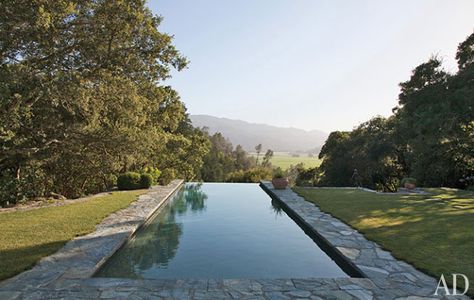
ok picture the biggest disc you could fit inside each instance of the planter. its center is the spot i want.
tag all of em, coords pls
(410, 186)
(280, 183)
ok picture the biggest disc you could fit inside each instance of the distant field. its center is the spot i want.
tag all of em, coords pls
(285, 160)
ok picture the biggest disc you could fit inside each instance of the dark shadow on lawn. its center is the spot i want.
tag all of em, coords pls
(17, 260)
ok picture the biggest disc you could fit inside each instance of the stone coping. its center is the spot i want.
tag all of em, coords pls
(376, 264)
(115, 288)
(84, 255)
(67, 273)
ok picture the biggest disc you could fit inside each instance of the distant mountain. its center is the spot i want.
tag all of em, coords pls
(271, 137)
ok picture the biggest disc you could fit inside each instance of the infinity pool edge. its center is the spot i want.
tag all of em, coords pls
(44, 281)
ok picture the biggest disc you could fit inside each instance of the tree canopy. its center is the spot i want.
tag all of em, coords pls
(82, 97)
(429, 137)
(222, 160)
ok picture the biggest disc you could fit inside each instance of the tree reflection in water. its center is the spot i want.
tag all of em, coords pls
(158, 241)
(276, 207)
(193, 199)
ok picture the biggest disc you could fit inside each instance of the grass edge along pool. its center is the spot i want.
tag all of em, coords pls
(346, 265)
(222, 231)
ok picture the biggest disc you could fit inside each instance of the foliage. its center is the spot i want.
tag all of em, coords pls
(133, 181)
(278, 173)
(46, 230)
(252, 175)
(222, 159)
(335, 153)
(403, 224)
(184, 152)
(242, 160)
(292, 172)
(409, 180)
(129, 181)
(81, 98)
(467, 182)
(153, 172)
(266, 159)
(146, 180)
(32, 183)
(369, 149)
(219, 161)
(167, 176)
(308, 177)
(430, 136)
(258, 149)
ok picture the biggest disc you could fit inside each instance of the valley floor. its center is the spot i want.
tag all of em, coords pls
(284, 160)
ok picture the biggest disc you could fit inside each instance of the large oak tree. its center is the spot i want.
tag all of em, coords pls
(82, 96)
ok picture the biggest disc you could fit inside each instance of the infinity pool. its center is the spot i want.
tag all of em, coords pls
(221, 230)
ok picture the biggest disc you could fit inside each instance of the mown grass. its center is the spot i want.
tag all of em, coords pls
(433, 232)
(27, 236)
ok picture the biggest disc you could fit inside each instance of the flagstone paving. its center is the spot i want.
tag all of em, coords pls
(396, 279)
(67, 274)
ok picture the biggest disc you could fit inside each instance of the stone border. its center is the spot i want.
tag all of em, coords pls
(369, 258)
(83, 256)
(67, 274)
(118, 288)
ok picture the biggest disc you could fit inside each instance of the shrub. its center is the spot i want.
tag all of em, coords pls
(167, 176)
(110, 181)
(129, 181)
(8, 191)
(32, 183)
(154, 172)
(384, 182)
(258, 174)
(292, 172)
(408, 180)
(308, 177)
(251, 175)
(467, 182)
(236, 176)
(278, 173)
(146, 180)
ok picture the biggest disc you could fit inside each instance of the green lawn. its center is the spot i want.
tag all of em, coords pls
(284, 160)
(27, 236)
(435, 232)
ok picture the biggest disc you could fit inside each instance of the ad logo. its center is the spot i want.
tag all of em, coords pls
(443, 286)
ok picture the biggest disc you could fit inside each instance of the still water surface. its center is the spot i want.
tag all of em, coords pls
(221, 230)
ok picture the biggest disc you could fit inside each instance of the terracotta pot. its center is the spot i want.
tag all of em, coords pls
(410, 186)
(280, 183)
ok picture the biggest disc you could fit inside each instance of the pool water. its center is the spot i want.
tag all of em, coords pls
(217, 231)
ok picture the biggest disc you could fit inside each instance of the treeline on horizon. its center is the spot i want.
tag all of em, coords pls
(83, 99)
(429, 137)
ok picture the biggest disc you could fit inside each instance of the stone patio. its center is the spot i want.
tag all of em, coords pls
(67, 273)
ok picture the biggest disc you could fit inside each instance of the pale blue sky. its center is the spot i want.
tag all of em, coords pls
(309, 64)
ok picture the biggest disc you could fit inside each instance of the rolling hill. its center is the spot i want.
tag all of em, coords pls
(271, 137)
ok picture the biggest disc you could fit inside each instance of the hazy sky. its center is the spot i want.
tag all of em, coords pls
(309, 64)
